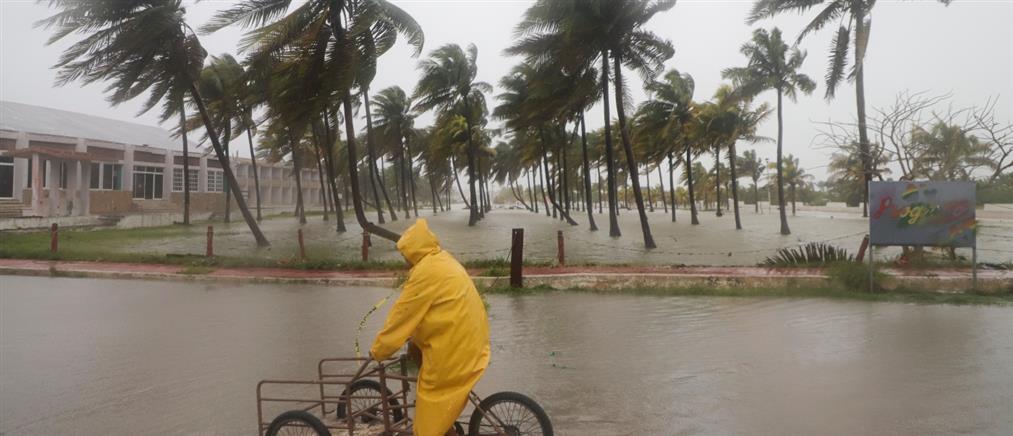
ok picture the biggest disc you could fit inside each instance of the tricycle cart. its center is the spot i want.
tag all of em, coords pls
(376, 399)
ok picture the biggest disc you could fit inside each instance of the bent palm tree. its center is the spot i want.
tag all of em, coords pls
(448, 84)
(141, 47)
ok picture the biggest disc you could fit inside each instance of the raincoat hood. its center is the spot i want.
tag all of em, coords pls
(418, 242)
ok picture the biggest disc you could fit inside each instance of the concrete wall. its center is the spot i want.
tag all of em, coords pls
(112, 203)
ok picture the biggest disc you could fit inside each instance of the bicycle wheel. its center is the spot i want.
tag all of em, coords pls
(519, 415)
(365, 395)
(297, 423)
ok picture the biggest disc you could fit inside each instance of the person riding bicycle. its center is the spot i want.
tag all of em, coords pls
(441, 311)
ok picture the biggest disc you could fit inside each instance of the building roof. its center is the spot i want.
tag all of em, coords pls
(28, 118)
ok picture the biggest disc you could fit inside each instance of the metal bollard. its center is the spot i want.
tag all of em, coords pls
(365, 246)
(561, 251)
(517, 258)
(210, 252)
(54, 238)
(302, 246)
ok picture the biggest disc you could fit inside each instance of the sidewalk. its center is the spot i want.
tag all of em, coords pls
(594, 277)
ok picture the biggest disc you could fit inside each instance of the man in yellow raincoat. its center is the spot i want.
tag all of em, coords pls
(441, 311)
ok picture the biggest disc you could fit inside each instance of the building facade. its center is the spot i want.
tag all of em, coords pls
(56, 163)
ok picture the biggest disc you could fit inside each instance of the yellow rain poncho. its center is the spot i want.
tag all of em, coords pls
(441, 311)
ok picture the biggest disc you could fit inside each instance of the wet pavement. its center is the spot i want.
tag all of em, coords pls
(85, 356)
(714, 242)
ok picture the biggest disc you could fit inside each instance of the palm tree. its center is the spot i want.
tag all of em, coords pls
(334, 37)
(736, 120)
(795, 175)
(773, 65)
(947, 152)
(448, 84)
(139, 47)
(753, 168)
(666, 117)
(395, 126)
(852, 35)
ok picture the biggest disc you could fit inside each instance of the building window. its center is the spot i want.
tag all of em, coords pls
(106, 176)
(64, 169)
(216, 181)
(45, 173)
(6, 177)
(177, 179)
(148, 182)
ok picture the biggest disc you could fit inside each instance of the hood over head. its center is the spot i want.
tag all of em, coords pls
(418, 242)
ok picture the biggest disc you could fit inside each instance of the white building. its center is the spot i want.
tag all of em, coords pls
(58, 163)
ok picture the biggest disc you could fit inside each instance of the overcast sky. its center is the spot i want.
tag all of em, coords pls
(965, 49)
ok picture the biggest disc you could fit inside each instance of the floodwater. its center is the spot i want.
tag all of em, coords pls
(714, 242)
(84, 356)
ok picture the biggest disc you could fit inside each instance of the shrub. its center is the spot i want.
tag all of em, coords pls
(854, 276)
(810, 254)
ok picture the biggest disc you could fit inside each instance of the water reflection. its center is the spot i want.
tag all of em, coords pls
(100, 356)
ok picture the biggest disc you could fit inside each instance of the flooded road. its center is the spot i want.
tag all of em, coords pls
(83, 356)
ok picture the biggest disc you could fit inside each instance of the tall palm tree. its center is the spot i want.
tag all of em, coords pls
(667, 115)
(140, 47)
(448, 84)
(855, 18)
(736, 120)
(395, 126)
(752, 167)
(773, 65)
(332, 34)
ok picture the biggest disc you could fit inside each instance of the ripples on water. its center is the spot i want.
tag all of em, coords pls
(84, 356)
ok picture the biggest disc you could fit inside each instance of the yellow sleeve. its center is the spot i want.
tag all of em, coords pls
(405, 315)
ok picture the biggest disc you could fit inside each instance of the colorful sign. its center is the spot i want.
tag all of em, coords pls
(922, 213)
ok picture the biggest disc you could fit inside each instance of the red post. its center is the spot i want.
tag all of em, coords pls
(365, 246)
(302, 246)
(211, 242)
(862, 248)
(54, 238)
(560, 249)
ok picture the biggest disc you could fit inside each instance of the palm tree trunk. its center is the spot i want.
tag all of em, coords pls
(541, 189)
(717, 176)
(597, 167)
(631, 162)
(186, 163)
(689, 184)
(320, 178)
(230, 178)
(780, 176)
(735, 185)
(661, 186)
(297, 173)
(587, 174)
(458, 180)
(225, 146)
(432, 192)
(793, 186)
(481, 188)
(353, 176)
(756, 196)
(411, 175)
(519, 198)
(671, 182)
(863, 135)
(373, 170)
(650, 195)
(256, 172)
(610, 170)
(473, 212)
(331, 177)
(566, 173)
(531, 191)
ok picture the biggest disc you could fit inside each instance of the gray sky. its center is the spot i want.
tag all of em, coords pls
(965, 49)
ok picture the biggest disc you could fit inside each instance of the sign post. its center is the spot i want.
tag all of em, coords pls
(937, 214)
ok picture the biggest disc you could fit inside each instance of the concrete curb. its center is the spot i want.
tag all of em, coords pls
(722, 278)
